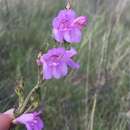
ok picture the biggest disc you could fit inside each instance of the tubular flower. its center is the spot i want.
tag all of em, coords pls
(68, 27)
(32, 121)
(56, 61)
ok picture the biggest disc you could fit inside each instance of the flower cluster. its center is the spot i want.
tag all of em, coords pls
(66, 27)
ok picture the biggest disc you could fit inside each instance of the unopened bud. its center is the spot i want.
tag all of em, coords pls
(68, 6)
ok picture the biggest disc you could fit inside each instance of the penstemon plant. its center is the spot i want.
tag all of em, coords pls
(66, 28)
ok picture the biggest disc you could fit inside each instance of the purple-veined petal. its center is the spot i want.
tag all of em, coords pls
(28, 127)
(80, 22)
(63, 69)
(24, 118)
(72, 64)
(46, 71)
(57, 35)
(56, 72)
(73, 36)
(71, 52)
(36, 127)
(40, 123)
(67, 14)
(35, 114)
(55, 22)
(55, 51)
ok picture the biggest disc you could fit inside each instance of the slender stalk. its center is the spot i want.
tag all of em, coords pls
(30, 94)
(28, 97)
(7, 7)
(93, 111)
(30, 107)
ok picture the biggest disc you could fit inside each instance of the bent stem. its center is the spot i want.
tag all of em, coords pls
(30, 94)
(93, 111)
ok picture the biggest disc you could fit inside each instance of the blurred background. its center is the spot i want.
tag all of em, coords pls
(97, 96)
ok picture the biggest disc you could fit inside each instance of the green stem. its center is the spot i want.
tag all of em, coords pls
(28, 97)
(30, 94)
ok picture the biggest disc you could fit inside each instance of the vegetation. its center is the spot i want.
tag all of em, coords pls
(97, 96)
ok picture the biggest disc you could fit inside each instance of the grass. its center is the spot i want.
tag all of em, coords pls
(91, 98)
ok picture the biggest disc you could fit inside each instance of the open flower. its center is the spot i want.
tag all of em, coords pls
(68, 27)
(56, 61)
(32, 121)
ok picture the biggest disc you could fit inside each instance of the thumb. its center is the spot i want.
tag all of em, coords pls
(10, 113)
(6, 120)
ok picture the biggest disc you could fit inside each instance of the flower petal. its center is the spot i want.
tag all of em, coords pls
(28, 127)
(80, 22)
(73, 35)
(24, 118)
(55, 22)
(67, 14)
(46, 71)
(55, 51)
(56, 73)
(63, 69)
(57, 35)
(71, 52)
(35, 127)
(40, 124)
(72, 64)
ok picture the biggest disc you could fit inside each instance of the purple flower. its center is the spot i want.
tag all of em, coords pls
(56, 61)
(32, 121)
(68, 27)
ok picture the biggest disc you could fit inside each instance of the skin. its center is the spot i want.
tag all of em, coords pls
(6, 119)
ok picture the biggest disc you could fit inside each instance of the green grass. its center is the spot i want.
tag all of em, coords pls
(91, 98)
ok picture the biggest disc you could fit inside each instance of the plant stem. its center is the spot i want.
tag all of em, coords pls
(93, 111)
(28, 97)
(30, 94)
